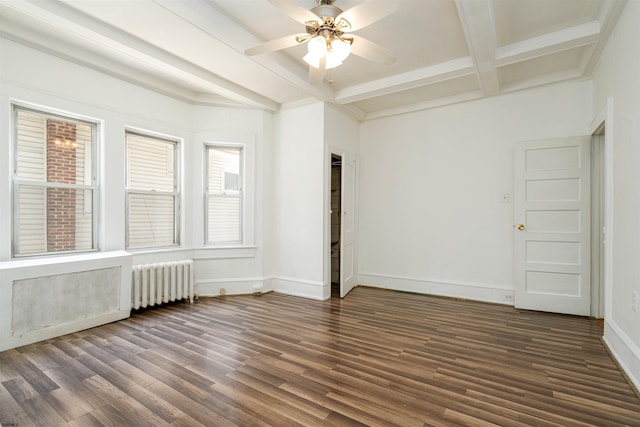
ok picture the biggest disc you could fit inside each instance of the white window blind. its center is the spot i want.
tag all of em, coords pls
(152, 191)
(224, 194)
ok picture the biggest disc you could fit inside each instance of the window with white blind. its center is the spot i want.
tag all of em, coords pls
(223, 194)
(54, 184)
(152, 192)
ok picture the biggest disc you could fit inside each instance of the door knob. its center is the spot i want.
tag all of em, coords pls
(520, 227)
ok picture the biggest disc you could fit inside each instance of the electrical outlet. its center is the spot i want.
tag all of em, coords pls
(634, 301)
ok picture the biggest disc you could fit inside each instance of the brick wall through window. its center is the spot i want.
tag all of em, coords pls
(61, 202)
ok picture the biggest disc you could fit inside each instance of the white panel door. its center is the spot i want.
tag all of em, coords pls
(552, 232)
(347, 226)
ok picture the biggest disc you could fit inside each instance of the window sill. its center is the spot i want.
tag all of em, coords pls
(60, 259)
(162, 250)
(225, 252)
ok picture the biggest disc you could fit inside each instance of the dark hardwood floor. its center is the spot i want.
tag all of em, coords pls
(375, 358)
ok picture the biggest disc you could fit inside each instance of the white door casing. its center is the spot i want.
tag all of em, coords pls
(552, 230)
(347, 225)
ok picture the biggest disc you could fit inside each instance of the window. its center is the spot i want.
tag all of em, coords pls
(152, 191)
(54, 184)
(223, 194)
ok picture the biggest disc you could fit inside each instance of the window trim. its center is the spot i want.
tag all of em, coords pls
(242, 193)
(95, 126)
(176, 193)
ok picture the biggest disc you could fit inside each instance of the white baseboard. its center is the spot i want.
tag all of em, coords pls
(284, 285)
(624, 351)
(62, 329)
(232, 286)
(301, 288)
(471, 291)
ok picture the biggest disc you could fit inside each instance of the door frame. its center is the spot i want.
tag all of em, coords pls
(597, 224)
(601, 127)
(604, 120)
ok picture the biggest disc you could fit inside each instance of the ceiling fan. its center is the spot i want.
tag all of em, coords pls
(329, 33)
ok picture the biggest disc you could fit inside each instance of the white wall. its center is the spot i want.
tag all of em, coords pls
(431, 215)
(37, 78)
(237, 270)
(617, 77)
(298, 201)
(341, 131)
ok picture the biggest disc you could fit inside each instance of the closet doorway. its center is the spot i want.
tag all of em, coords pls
(341, 234)
(336, 199)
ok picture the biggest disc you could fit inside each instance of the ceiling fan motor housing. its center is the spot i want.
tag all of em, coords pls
(327, 11)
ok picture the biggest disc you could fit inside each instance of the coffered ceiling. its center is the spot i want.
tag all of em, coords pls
(447, 51)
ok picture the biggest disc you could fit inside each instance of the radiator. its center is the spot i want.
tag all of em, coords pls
(155, 284)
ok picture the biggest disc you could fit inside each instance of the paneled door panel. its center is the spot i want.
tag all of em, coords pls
(552, 233)
(347, 233)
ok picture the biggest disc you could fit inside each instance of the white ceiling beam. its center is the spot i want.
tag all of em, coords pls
(478, 25)
(135, 50)
(409, 80)
(546, 44)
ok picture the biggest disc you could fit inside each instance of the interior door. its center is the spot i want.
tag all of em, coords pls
(552, 233)
(347, 225)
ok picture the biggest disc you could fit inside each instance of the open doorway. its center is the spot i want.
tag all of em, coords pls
(336, 198)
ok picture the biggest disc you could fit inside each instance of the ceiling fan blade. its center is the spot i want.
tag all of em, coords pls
(316, 75)
(368, 12)
(294, 11)
(369, 50)
(276, 44)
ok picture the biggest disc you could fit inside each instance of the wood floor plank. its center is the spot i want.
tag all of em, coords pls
(195, 409)
(38, 409)
(67, 403)
(162, 408)
(120, 403)
(10, 410)
(87, 420)
(20, 389)
(294, 400)
(264, 407)
(375, 358)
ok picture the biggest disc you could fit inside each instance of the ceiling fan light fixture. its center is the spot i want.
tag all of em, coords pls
(334, 51)
(313, 61)
(317, 46)
(317, 49)
(340, 49)
(327, 33)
